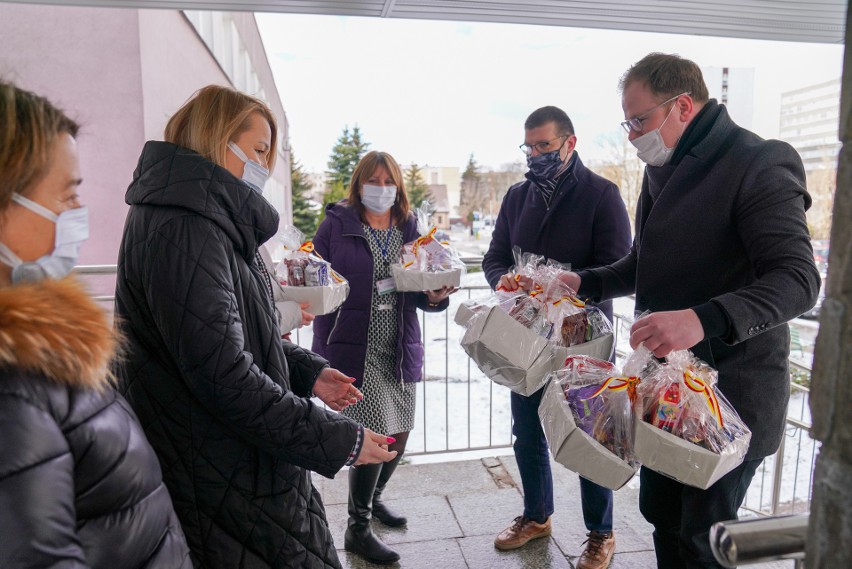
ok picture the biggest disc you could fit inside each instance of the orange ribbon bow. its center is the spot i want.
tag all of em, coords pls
(622, 383)
(698, 385)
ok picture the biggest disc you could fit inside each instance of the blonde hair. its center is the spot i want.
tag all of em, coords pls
(29, 124)
(215, 116)
(365, 168)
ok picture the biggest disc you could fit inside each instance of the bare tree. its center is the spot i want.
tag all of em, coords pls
(822, 183)
(623, 168)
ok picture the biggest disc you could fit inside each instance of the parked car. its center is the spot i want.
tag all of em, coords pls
(813, 313)
(820, 247)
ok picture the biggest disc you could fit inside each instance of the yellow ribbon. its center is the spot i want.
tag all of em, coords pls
(417, 243)
(622, 383)
(308, 247)
(572, 299)
(698, 385)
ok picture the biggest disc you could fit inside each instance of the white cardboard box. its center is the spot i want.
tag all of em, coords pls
(407, 280)
(464, 312)
(682, 460)
(600, 348)
(573, 448)
(320, 299)
(507, 352)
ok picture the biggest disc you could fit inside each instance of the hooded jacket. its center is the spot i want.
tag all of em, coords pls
(342, 335)
(79, 484)
(223, 400)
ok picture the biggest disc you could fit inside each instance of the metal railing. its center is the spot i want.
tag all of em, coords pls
(460, 410)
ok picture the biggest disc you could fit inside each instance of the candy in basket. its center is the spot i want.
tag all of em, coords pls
(587, 416)
(686, 429)
(426, 263)
(306, 278)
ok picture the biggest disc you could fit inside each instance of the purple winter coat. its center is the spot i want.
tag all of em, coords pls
(341, 337)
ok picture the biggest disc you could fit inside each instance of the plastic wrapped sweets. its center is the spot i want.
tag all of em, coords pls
(306, 278)
(587, 416)
(517, 338)
(426, 263)
(685, 427)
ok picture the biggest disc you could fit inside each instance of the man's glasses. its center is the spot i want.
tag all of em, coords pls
(540, 146)
(636, 122)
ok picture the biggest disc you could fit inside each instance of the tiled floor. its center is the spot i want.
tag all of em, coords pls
(455, 509)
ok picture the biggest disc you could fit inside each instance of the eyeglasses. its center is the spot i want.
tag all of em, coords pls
(541, 146)
(636, 122)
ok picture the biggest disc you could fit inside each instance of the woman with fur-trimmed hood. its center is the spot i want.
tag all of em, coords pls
(79, 484)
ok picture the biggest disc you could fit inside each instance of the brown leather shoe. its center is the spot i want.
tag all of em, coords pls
(520, 532)
(598, 552)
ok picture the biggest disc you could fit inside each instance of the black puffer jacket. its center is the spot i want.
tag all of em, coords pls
(79, 485)
(222, 402)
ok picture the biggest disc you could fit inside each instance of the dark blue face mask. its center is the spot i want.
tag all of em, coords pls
(545, 166)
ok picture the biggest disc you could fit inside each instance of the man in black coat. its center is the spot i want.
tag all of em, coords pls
(722, 258)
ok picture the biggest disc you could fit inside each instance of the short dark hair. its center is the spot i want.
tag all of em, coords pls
(667, 75)
(29, 124)
(544, 115)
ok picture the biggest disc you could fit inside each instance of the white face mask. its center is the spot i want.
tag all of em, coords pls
(651, 148)
(72, 229)
(378, 199)
(254, 174)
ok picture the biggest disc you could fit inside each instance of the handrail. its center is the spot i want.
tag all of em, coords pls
(761, 540)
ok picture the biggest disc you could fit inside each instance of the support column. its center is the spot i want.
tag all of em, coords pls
(830, 531)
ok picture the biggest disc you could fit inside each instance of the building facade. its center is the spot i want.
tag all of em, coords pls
(121, 73)
(734, 88)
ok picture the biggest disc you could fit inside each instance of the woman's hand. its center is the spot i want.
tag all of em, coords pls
(375, 448)
(307, 317)
(437, 296)
(335, 389)
(511, 282)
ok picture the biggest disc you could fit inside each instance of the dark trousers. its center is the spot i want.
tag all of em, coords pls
(682, 515)
(534, 464)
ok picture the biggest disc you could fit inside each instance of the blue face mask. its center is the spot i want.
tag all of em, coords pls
(545, 166)
(254, 174)
(72, 229)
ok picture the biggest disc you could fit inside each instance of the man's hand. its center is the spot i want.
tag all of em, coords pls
(335, 389)
(664, 332)
(437, 296)
(571, 279)
(307, 317)
(512, 282)
(375, 449)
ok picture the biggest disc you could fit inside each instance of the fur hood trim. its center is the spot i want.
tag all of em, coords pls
(54, 328)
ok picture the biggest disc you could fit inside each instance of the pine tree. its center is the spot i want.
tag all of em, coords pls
(305, 215)
(471, 190)
(416, 187)
(345, 156)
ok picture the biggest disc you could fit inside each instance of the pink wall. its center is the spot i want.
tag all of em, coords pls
(85, 60)
(175, 64)
(122, 73)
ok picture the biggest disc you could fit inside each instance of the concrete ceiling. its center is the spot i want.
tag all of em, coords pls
(820, 21)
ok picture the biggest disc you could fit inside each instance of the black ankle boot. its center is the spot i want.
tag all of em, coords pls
(380, 511)
(359, 537)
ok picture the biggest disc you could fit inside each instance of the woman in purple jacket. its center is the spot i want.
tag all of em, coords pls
(374, 336)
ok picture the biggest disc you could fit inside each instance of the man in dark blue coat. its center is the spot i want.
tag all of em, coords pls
(722, 258)
(571, 215)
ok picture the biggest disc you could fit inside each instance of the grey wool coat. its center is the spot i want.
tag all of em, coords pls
(224, 402)
(723, 231)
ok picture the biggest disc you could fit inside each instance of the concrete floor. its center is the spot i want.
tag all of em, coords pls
(455, 509)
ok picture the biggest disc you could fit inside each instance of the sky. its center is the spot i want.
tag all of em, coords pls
(435, 92)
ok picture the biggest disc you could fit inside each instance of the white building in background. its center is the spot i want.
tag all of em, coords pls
(449, 176)
(733, 87)
(809, 119)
